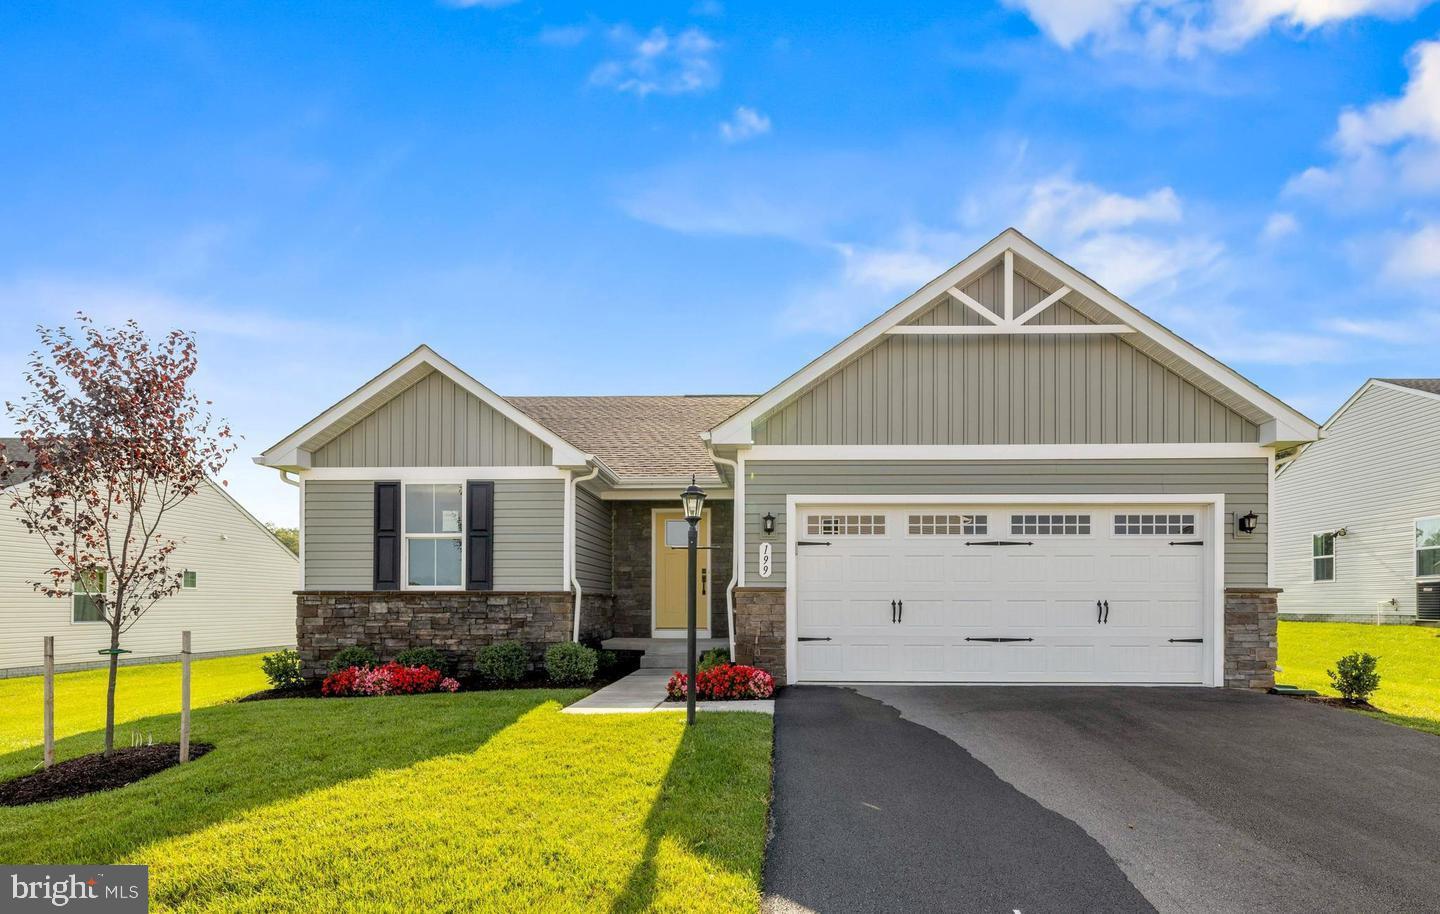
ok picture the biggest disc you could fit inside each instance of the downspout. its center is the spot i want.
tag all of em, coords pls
(299, 522)
(574, 531)
(735, 557)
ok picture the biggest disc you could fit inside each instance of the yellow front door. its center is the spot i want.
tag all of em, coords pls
(670, 572)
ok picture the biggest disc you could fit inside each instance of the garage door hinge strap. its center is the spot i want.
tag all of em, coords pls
(1001, 543)
(1187, 542)
(1000, 640)
(812, 543)
(1187, 640)
(812, 639)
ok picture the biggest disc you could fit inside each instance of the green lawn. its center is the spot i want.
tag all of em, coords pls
(1409, 665)
(489, 801)
(143, 690)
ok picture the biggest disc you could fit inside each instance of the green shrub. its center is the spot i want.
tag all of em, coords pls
(716, 656)
(358, 655)
(506, 661)
(282, 668)
(605, 661)
(569, 663)
(1354, 677)
(422, 656)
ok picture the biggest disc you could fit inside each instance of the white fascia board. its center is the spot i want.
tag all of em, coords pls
(430, 474)
(1049, 452)
(293, 446)
(737, 430)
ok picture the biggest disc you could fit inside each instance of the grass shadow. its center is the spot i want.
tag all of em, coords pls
(712, 805)
(265, 752)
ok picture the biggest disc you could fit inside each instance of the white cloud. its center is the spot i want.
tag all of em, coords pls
(1279, 225)
(744, 124)
(659, 63)
(1061, 205)
(480, 4)
(1416, 256)
(1187, 27)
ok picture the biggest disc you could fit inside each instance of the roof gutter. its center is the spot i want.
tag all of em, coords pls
(737, 524)
(574, 574)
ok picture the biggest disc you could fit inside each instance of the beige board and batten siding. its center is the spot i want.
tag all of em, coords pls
(433, 423)
(1002, 389)
(1373, 473)
(243, 598)
(594, 542)
(1244, 482)
(528, 535)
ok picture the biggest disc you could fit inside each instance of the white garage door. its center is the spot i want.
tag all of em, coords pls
(1002, 593)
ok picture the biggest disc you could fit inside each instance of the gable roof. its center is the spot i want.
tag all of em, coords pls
(1428, 385)
(1278, 421)
(293, 451)
(1428, 388)
(639, 438)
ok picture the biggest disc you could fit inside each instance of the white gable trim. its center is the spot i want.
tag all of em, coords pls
(1369, 385)
(1285, 423)
(294, 450)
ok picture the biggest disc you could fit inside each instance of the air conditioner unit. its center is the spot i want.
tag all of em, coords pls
(1427, 601)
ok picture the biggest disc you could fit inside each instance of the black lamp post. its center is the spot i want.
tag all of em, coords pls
(693, 498)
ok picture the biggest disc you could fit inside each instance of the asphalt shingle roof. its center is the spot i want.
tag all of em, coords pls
(1429, 385)
(14, 450)
(638, 436)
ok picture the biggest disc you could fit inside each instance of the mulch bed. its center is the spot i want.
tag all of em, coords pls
(94, 773)
(537, 680)
(1333, 702)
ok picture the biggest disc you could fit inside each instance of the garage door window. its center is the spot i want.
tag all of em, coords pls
(1050, 524)
(949, 524)
(1154, 524)
(845, 525)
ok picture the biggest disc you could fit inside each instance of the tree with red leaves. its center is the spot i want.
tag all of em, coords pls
(115, 441)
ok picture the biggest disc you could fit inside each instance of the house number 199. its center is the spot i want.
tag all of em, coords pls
(765, 560)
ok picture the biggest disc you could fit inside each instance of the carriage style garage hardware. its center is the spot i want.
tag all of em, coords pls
(1001, 543)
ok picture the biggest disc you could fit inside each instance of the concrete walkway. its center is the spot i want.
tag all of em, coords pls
(644, 691)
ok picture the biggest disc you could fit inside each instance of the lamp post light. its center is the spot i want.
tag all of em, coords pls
(693, 499)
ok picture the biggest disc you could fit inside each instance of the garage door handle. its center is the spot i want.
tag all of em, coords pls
(893, 620)
(1187, 640)
(1099, 613)
(812, 542)
(1187, 542)
(1001, 543)
(1107, 612)
(901, 616)
(812, 639)
(1000, 640)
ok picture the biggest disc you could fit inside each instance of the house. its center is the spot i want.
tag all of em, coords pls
(1010, 476)
(1357, 535)
(237, 594)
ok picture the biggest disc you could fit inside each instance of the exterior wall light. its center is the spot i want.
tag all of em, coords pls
(1248, 523)
(769, 520)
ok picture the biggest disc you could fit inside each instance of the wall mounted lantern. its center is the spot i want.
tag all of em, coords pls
(769, 523)
(1248, 523)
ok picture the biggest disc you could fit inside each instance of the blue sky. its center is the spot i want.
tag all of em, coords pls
(700, 197)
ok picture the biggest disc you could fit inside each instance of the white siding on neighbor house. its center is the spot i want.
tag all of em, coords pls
(1374, 472)
(1243, 482)
(594, 537)
(244, 598)
(528, 536)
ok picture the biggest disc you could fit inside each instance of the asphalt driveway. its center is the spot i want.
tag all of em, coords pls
(1038, 799)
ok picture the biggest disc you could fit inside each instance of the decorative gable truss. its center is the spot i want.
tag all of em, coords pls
(1008, 322)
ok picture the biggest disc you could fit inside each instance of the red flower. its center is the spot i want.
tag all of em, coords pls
(727, 682)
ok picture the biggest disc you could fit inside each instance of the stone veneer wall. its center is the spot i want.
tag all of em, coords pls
(1250, 636)
(633, 555)
(760, 629)
(1251, 645)
(457, 623)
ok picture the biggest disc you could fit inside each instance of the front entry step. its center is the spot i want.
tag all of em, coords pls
(662, 653)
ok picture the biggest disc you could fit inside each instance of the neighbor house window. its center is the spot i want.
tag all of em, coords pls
(87, 595)
(190, 580)
(1427, 546)
(433, 544)
(1322, 556)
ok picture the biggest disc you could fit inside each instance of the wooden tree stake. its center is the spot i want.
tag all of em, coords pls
(49, 715)
(184, 696)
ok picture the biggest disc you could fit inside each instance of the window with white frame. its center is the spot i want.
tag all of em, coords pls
(1322, 556)
(845, 525)
(1427, 547)
(434, 544)
(949, 524)
(87, 597)
(190, 580)
(1050, 524)
(1154, 525)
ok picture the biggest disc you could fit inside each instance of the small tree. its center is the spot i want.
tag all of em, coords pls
(116, 441)
(1355, 677)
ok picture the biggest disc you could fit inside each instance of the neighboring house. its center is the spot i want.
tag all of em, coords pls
(238, 594)
(1010, 476)
(1357, 531)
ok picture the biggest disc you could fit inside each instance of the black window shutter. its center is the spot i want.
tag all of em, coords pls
(480, 544)
(387, 536)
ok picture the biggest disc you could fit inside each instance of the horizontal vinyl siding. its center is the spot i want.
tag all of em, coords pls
(529, 534)
(244, 598)
(1002, 389)
(434, 423)
(339, 535)
(1242, 482)
(1373, 473)
(593, 542)
(340, 531)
